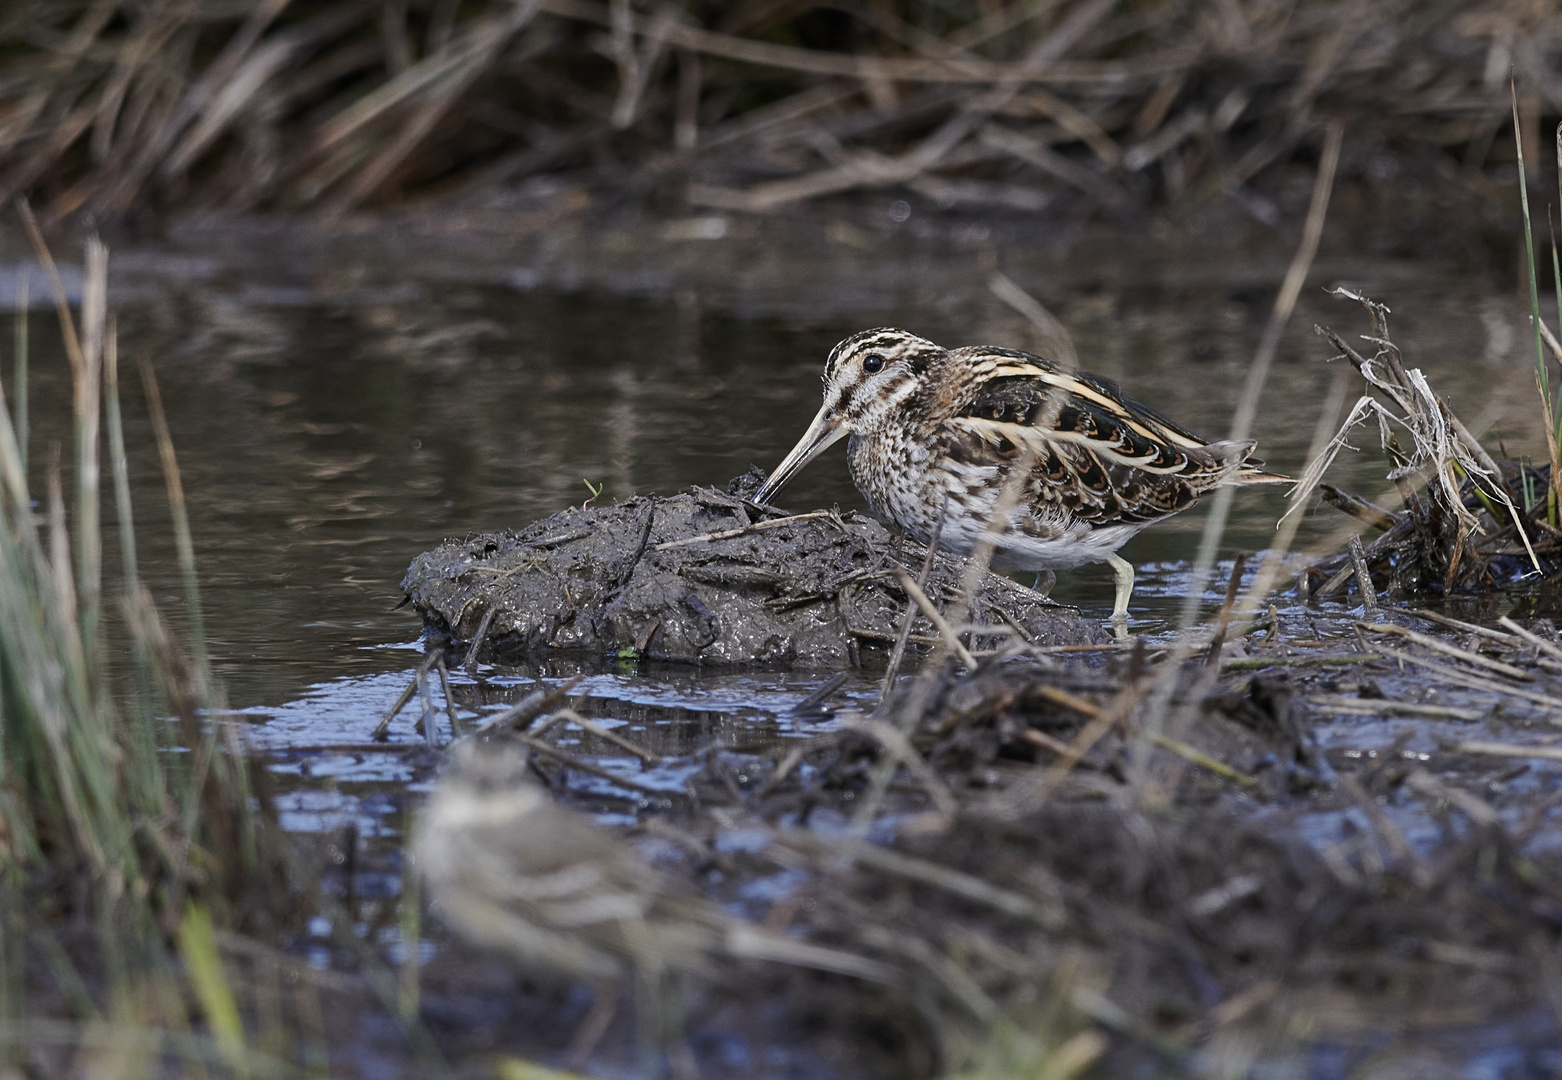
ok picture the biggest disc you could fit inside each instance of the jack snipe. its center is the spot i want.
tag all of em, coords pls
(935, 435)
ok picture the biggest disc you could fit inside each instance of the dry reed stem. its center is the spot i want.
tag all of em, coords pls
(1439, 645)
(1164, 684)
(1546, 702)
(1509, 750)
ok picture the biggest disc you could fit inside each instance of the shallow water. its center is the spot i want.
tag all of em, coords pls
(335, 417)
(336, 413)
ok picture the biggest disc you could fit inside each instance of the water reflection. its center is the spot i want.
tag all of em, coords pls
(335, 419)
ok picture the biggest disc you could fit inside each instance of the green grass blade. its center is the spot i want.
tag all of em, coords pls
(203, 964)
(150, 774)
(1529, 251)
(118, 463)
(89, 532)
(20, 363)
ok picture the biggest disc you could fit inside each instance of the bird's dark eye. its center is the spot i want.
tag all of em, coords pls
(873, 363)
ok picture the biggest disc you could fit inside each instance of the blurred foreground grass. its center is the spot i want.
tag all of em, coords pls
(134, 836)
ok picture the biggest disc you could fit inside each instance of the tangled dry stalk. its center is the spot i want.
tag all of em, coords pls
(1469, 521)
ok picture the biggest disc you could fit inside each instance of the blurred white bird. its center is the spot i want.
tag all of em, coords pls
(510, 869)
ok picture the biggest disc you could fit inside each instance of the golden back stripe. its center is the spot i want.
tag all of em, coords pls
(1036, 436)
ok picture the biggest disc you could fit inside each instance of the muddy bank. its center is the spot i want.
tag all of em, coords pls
(705, 578)
(1330, 847)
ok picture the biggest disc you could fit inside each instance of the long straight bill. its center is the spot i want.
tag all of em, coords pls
(823, 433)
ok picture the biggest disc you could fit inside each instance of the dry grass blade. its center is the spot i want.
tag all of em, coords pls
(1360, 707)
(1548, 647)
(1445, 648)
(1509, 750)
(759, 526)
(1479, 811)
(570, 716)
(1057, 341)
(1546, 702)
(946, 632)
(1388, 832)
(1263, 359)
(570, 761)
(907, 866)
(1468, 627)
(899, 747)
(485, 45)
(535, 704)
(183, 544)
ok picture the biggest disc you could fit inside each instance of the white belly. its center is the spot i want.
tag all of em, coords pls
(1075, 545)
(907, 496)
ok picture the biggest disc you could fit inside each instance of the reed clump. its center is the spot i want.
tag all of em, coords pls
(135, 832)
(1470, 521)
(113, 106)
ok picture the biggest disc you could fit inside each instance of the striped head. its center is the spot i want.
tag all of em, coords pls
(865, 379)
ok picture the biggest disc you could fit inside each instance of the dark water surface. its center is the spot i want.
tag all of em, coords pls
(335, 414)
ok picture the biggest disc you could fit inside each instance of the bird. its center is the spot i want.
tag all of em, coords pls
(510, 869)
(935, 435)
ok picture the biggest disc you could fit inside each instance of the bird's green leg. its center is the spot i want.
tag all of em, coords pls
(1123, 571)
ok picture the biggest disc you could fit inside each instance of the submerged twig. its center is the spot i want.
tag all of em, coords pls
(758, 526)
(530, 707)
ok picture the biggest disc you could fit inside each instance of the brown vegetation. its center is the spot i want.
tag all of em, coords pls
(111, 106)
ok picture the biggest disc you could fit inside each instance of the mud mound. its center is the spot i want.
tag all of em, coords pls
(706, 578)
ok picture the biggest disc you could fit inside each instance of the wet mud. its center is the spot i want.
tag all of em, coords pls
(704, 577)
